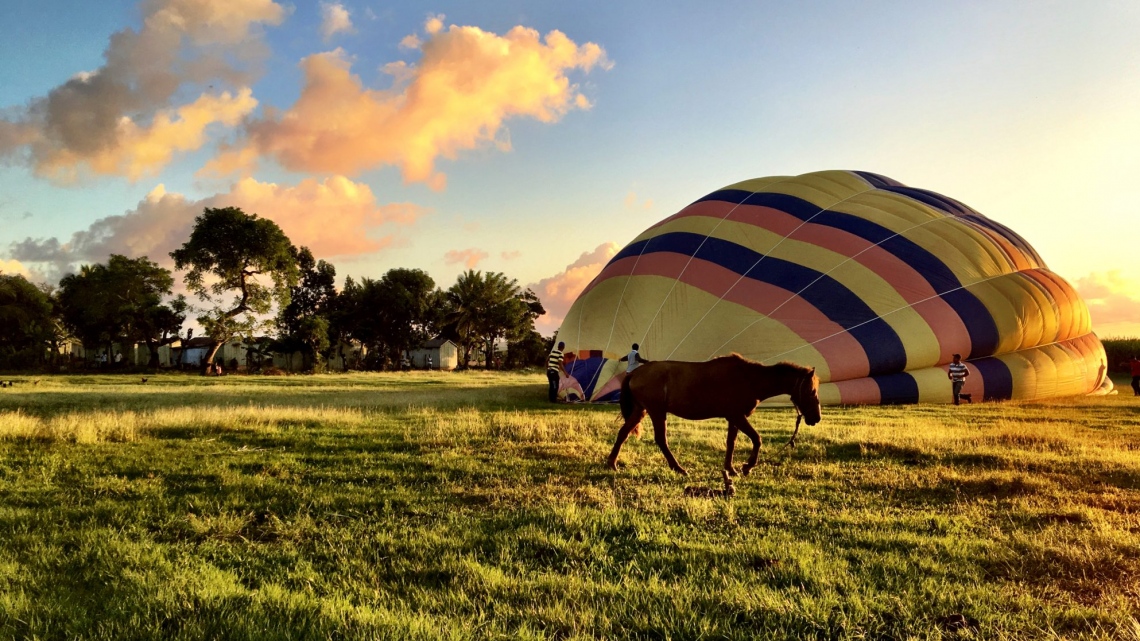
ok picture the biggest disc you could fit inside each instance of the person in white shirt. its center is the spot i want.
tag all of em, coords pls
(634, 358)
(957, 373)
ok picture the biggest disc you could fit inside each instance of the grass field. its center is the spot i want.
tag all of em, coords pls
(462, 506)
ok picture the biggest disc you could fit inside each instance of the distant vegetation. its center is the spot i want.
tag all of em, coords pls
(462, 506)
(249, 281)
(1119, 351)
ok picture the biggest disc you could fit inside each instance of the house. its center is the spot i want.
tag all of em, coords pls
(444, 355)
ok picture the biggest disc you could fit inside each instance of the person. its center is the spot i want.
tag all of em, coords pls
(1135, 366)
(634, 358)
(554, 371)
(957, 374)
(429, 361)
(405, 364)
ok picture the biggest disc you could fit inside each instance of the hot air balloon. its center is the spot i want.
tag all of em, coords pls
(875, 284)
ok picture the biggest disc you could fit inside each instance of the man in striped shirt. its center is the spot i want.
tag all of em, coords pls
(554, 371)
(957, 374)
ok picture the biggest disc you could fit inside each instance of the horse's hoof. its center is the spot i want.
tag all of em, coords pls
(731, 471)
(680, 470)
(746, 469)
(612, 464)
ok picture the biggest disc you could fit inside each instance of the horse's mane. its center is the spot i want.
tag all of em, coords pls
(783, 367)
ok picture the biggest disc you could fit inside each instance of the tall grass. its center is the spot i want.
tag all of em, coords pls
(430, 506)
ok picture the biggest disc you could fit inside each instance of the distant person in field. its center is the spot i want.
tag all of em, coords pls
(957, 374)
(634, 358)
(1135, 366)
(554, 371)
(429, 361)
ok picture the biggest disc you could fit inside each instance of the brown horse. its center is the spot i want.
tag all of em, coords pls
(726, 387)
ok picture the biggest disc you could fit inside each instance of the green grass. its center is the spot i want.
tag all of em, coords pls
(462, 506)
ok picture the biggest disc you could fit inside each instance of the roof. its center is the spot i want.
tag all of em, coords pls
(434, 343)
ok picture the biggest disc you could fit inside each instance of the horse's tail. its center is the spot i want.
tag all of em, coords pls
(626, 397)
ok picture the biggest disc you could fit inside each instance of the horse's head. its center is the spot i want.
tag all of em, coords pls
(805, 396)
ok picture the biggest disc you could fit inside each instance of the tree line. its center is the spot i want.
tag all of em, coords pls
(240, 268)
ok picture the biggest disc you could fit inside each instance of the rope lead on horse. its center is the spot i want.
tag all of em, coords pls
(792, 441)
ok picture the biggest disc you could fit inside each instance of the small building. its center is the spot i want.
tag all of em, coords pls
(444, 355)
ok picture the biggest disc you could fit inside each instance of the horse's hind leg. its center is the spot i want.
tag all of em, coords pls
(658, 419)
(729, 447)
(754, 436)
(630, 424)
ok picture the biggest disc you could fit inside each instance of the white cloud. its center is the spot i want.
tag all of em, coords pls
(335, 19)
(558, 292)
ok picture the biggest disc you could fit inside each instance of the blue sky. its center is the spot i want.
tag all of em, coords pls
(1025, 111)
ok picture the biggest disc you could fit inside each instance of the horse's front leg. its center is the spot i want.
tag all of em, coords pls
(729, 447)
(663, 442)
(752, 434)
(631, 423)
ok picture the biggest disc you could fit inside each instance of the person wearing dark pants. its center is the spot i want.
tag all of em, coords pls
(957, 374)
(554, 371)
(1135, 363)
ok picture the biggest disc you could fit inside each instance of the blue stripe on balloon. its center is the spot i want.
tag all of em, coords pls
(877, 180)
(897, 389)
(955, 208)
(885, 351)
(585, 370)
(996, 377)
(974, 314)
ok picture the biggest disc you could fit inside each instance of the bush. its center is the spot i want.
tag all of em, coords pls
(1119, 351)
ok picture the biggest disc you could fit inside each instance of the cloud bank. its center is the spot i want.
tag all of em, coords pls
(333, 217)
(1114, 303)
(559, 291)
(122, 119)
(458, 96)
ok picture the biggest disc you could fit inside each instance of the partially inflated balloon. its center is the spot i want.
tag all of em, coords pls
(875, 284)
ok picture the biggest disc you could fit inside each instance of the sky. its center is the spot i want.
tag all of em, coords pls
(537, 139)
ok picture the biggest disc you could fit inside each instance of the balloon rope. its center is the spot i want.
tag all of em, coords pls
(919, 302)
(805, 288)
(613, 323)
(754, 265)
(689, 262)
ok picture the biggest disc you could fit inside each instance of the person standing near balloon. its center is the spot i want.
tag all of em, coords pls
(1135, 364)
(957, 374)
(634, 358)
(554, 371)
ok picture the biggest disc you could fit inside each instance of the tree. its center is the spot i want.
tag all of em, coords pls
(303, 324)
(390, 315)
(487, 307)
(228, 249)
(527, 351)
(122, 301)
(25, 322)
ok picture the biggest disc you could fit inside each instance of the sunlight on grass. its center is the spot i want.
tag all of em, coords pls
(427, 505)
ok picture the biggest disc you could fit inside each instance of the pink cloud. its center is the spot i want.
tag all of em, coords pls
(469, 257)
(511, 255)
(333, 217)
(128, 116)
(12, 267)
(1113, 302)
(560, 291)
(458, 96)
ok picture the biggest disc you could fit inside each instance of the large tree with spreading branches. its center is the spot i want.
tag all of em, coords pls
(234, 253)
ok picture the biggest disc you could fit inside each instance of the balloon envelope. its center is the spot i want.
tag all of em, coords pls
(875, 284)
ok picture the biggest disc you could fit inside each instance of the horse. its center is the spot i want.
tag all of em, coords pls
(728, 387)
